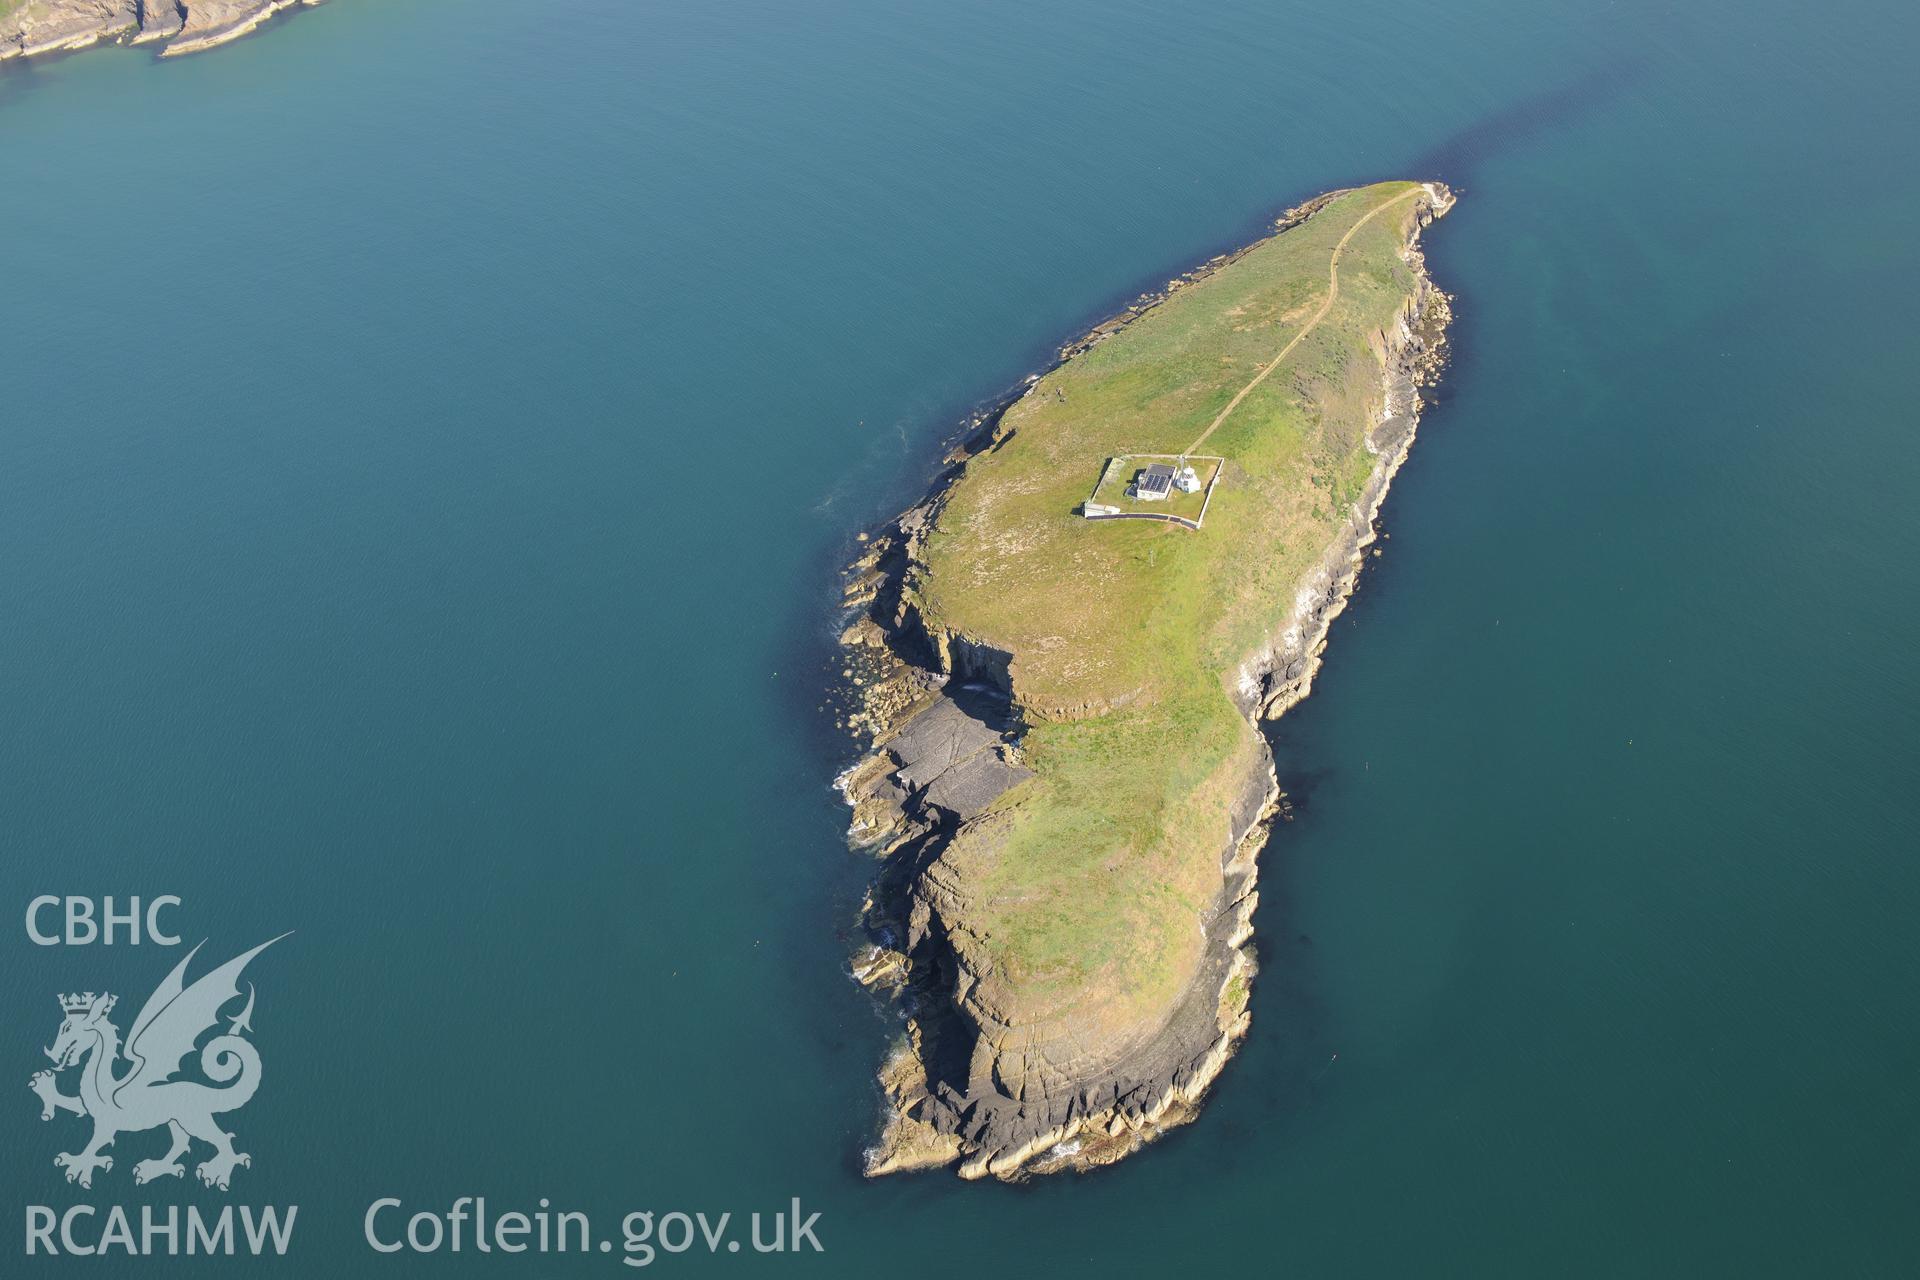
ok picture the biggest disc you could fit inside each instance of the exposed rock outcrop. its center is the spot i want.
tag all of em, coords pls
(55, 26)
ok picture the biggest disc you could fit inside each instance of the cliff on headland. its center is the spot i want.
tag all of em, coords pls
(1065, 784)
(30, 27)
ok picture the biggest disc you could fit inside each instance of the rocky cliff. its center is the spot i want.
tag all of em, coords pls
(32, 27)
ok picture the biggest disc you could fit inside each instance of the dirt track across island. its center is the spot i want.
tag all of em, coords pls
(1333, 296)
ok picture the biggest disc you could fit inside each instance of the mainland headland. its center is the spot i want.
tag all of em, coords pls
(1064, 779)
(32, 27)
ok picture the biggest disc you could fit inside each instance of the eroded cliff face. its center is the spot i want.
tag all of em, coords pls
(982, 1075)
(54, 26)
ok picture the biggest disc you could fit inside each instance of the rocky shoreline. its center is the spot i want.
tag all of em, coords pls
(188, 26)
(942, 737)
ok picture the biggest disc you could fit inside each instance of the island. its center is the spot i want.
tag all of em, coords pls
(1058, 661)
(31, 27)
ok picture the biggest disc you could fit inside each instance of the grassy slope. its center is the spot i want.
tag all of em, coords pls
(1125, 633)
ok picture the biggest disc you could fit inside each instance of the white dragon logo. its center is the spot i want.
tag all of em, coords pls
(146, 1096)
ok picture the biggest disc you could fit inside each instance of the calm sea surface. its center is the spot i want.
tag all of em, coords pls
(429, 432)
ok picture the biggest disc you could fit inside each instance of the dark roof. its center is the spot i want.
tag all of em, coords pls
(1157, 478)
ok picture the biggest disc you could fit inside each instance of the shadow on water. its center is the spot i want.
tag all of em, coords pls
(1456, 158)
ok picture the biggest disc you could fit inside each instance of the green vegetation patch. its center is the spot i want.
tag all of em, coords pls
(1127, 633)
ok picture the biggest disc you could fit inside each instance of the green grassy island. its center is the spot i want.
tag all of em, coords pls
(1067, 783)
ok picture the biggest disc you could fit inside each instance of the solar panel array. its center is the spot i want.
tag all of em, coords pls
(1157, 478)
